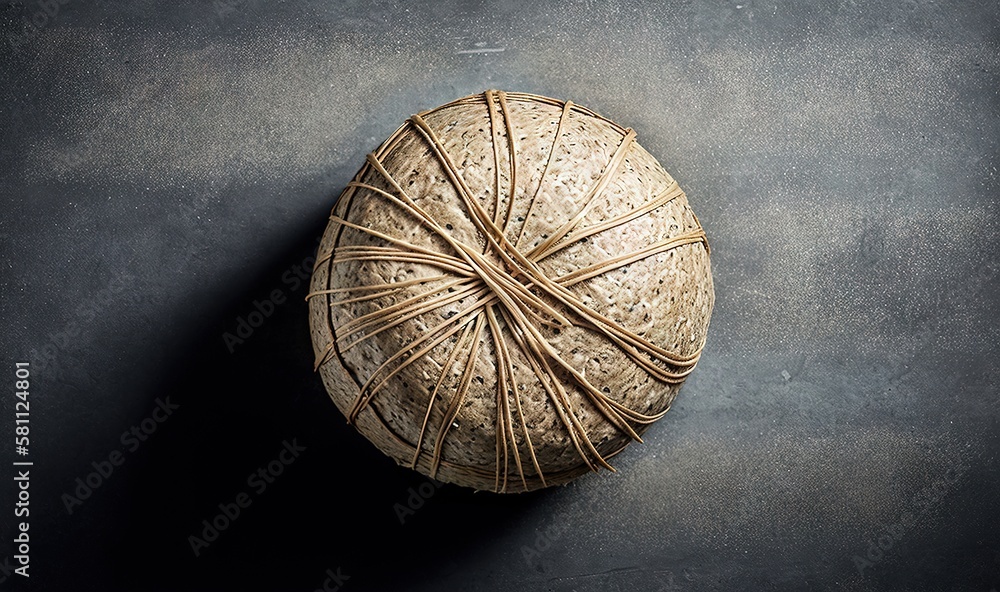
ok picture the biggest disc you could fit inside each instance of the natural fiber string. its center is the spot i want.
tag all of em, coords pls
(501, 293)
(522, 475)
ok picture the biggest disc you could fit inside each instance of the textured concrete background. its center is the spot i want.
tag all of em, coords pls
(166, 165)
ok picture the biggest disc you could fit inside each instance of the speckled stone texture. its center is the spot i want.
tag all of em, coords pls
(665, 298)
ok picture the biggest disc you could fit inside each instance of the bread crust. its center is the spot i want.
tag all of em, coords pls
(420, 311)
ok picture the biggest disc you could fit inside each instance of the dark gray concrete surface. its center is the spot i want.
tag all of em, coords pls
(166, 165)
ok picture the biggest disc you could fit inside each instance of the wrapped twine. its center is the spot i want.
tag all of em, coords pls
(509, 292)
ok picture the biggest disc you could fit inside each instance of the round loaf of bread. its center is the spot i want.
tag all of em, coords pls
(509, 292)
